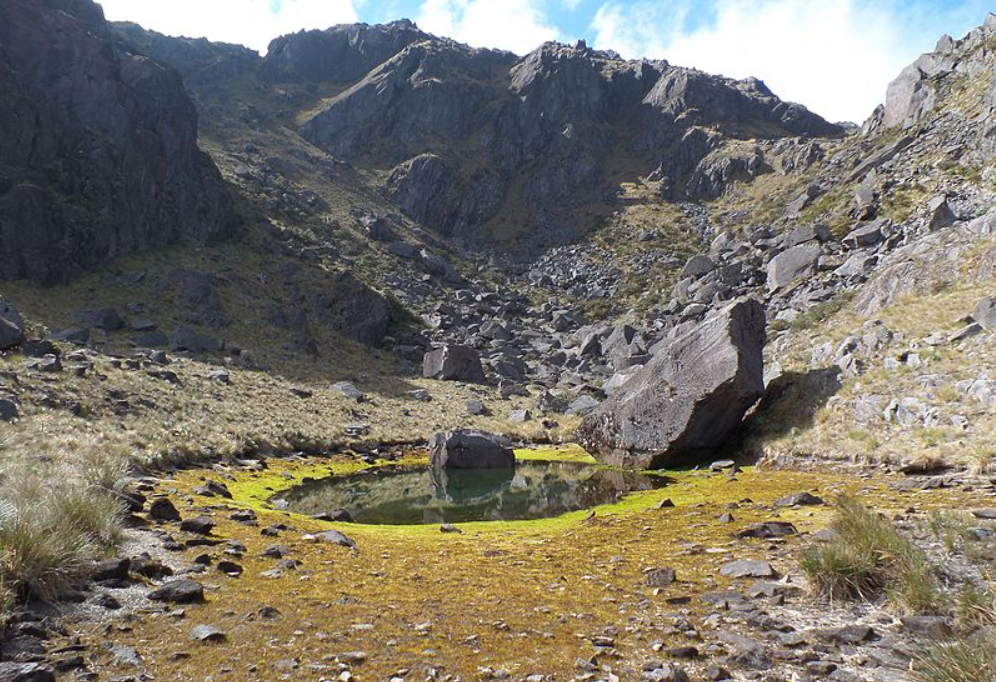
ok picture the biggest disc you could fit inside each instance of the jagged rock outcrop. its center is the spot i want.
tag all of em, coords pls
(99, 153)
(198, 60)
(470, 135)
(918, 89)
(340, 54)
(688, 398)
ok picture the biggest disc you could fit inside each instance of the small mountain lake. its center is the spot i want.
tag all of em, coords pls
(422, 495)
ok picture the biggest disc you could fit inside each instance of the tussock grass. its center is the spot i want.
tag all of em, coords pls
(976, 606)
(971, 659)
(868, 556)
(57, 515)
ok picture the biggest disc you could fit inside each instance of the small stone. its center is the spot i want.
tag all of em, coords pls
(349, 390)
(201, 525)
(747, 568)
(768, 529)
(208, 633)
(127, 655)
(162, 509)
(336, 538)
(8, 410)
(799, 500)
(659, 577)
(179, 592)
(229, 568)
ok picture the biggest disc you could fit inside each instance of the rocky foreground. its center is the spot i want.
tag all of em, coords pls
(700, 580)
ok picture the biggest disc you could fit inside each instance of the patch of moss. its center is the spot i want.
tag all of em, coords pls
(522, 596)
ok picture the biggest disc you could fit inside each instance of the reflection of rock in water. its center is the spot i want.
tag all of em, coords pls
(533, 490)
(469, 486)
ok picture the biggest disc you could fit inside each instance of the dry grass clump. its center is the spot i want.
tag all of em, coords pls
(968, 659)
(868, 556)
(57, 515)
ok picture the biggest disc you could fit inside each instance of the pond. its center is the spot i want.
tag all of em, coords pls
(422, 495)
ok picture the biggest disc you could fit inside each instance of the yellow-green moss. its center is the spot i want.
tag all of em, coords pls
(530, 592)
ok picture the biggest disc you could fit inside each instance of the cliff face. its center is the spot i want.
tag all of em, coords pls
(99, 154)
(468, 134)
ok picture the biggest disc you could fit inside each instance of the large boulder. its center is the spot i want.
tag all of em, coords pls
(11, 326)
(984, 314)
(466, 449)
(453, 363)
(793, 264)
(688, 398)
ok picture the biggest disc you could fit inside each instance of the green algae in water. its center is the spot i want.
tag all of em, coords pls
(423, 495)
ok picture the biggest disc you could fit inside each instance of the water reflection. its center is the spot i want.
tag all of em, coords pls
(532, 490)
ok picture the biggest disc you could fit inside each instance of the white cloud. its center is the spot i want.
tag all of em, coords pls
(253, 23)
(516, 25)
(836, 57)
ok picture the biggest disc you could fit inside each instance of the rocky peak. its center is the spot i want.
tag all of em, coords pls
(340, 54)
(920, 87)
(198, 60)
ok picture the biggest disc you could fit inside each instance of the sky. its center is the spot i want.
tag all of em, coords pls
(834, 56)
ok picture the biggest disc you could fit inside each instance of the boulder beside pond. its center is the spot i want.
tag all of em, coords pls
(688, 398)
(466, 449)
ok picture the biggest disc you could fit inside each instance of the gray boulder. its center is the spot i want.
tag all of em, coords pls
(808, 233)
(11, 326)
(792, 264)
(8, 410)
(466, 449)
(864, 236)
(940, 213)
(11, 671)
(696, 266)
(453, 363)
(106, 319)
(582, 406)
(688, 398)
(197, 298)
(985, 313)
(185, 338)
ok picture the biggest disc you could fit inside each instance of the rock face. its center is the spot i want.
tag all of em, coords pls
(468, 133)
(453, 363)
(688, 398)
(99, 154)
(464, 449)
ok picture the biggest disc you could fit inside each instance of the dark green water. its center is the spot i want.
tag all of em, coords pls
(407, 496)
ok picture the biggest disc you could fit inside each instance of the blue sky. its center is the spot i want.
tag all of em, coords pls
(834, 56)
